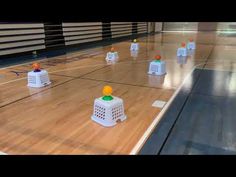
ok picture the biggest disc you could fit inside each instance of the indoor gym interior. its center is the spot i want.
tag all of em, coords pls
(188, 110)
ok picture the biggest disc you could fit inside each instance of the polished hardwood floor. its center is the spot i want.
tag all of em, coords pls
(57, 119)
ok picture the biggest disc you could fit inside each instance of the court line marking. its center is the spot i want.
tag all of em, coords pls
(104, 64)
(62, 75)
(99, 68)
(26, 63)
(127, 84)
(97, 48)
(48, 58)
(150, 129)
(69, 69)
(12, 81)
(30, 95)
(72, 68)
(51, 72)
(50, 87)
(81, 51)
(157, 119)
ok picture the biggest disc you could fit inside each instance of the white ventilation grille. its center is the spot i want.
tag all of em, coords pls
(21, 37)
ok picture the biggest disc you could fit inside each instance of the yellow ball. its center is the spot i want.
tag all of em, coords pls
(107, 90)
(135, 40)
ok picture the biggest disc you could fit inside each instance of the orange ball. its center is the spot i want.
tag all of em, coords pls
(183, 44)
(36, 66)
(107, 90)
(157, 57)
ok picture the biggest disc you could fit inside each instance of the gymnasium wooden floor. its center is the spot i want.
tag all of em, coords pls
(57, 119)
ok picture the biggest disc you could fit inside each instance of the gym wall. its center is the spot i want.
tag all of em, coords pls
(16, 38)
(199, 26)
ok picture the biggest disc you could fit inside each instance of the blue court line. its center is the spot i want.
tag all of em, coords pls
(200, 120)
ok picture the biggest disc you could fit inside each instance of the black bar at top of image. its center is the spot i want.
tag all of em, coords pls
(68, 11)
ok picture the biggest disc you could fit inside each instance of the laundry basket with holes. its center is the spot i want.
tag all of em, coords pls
(108, 113)
(191, 46)
(134, 46)
(182, 51)
(112, 56)
(157, 68)
(38, 79)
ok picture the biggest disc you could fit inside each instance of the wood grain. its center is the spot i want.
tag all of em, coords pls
(57, 119)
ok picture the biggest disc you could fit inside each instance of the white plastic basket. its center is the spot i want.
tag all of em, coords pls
(157, 68)
(182, 60)
(134, 46)
(108, 113)
(155, 81)
(191, 53)
(191, 46)
(38, 79)
(134, 53)
(182, 51)
(112, 56)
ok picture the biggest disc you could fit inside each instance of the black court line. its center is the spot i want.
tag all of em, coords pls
(91, 72)
(35, 93)
(122, 62)
(48, 88)
(80, 77)
(73, 78)
(205, 62)
(62, 75)
(121, 83)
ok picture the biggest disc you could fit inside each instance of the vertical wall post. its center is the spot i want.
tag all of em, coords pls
(54, 35)
(134, 28)
(106, 30)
